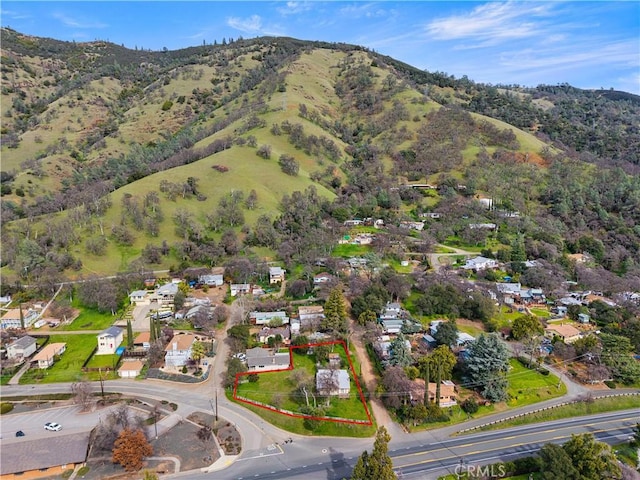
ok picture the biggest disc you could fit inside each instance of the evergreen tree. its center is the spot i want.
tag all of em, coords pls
(400, 354)
(21, 318)
(447, 333)
(335, 312)
(556, 464)
(197, 352)
(592, 459)
(129, 334)
(378, 465)
(486, 367)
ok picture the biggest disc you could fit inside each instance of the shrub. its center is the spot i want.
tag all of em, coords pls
(610, 383)
(184, 369)
(254, 377)
(543, 371)
(5, 407)
(470, 406)
(167, 105)
(82, 471)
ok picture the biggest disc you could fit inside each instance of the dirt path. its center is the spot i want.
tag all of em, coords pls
(370, 379)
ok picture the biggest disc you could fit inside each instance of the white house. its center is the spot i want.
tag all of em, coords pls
(109, 340)
(22, 348)
(333, 382)
(11, 319)
(480, 263)
(311, 313)
(263, 318)
(46, 356)
(321, 278)
(211, 280)
(178, 351)
(165, 294)
(130, 368)
(240, 289)
(276, 274)
(139, 297)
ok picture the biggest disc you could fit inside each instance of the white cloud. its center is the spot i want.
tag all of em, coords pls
(13, 15)
(366, 10)
(294, 8)
(253, 25)
(75, 23)
(493, 23)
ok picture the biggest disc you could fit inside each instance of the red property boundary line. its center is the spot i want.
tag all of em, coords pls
(367, 422)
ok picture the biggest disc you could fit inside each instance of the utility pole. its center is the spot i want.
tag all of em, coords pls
(101, 383)
(216, 405)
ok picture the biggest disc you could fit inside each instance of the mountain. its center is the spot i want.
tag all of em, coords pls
(116, 159)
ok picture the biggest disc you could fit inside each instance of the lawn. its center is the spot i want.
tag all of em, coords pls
(530, 386)
(90, 320)
(103, 361)
(347, 250)
(278, 390)
(540, 312)
(68, 367)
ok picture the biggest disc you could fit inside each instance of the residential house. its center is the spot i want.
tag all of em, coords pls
(353, 222)
(264, 318)
(566, 333)
(22, 348)
(419, 226)
(333, 382)
(11, 319)
(357, 262)
(447, 392)
(580, 258)
(276, 275)
(139, 297)
(483, 226)
(109, 340)
(464, 338)
(266, 333)
(211, 280)
(583, 317)
(52, 456)
(178, 351)
(264, 359)
(46, 356)
(392, 325)
(321, 278)
(143, 340)
(240, 289)
(334, 360)
(310, 314)
(201, 309)
(429, 341)
(381, 347)
(166, 293)
(480, 263)
(130, 368)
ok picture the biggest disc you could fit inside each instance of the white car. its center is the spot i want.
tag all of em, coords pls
(52, 427)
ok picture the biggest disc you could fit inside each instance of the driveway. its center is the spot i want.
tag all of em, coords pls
(141, 317)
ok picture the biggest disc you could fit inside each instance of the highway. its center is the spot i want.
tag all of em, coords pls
(424, 455)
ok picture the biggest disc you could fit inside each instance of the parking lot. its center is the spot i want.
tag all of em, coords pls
(32, 423)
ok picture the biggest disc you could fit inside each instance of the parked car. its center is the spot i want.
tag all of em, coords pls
(52, 426)
(19, 433)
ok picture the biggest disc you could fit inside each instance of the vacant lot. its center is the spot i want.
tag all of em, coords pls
(530, 386)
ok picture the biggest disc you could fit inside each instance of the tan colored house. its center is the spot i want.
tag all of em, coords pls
(45, 357)
(447, 392)
(566, 333)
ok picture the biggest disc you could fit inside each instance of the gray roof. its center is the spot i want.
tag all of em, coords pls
(111, 331)
(24, 342)
(168, 289)
(262, 357)
(51, 451)
(342, 377)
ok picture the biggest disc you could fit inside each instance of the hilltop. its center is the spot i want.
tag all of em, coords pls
(114, 159)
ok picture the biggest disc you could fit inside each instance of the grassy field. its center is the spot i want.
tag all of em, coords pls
(277, 389)
(98, 361)
(598, 405)
(540, 312)
(90, 320)
(347, 250)
(530, 386)
(68, 367)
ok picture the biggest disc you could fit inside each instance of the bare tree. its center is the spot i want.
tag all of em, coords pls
(82, 392)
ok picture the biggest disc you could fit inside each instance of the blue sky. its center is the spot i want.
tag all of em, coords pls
(586, 44)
